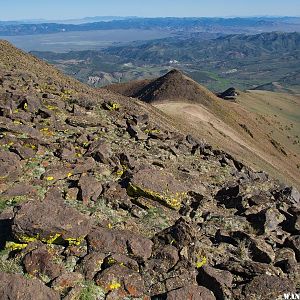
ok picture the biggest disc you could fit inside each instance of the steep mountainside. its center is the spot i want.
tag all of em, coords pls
(103, 197)
(262, 139)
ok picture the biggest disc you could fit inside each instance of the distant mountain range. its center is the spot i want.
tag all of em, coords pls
(230, 47)
(67, 21)
(228, 25)
(245, 61)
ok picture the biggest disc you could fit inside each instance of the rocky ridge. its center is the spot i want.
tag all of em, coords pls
(102, 198)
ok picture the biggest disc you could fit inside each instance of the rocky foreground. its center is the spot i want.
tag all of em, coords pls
(102, 198)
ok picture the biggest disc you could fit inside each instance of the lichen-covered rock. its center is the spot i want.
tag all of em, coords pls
(46, 221)
(164, 189)
(42, 264)
(17, 287)
(120, 277)
(66, 281)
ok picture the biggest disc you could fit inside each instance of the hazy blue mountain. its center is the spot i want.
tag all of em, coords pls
(173, 24)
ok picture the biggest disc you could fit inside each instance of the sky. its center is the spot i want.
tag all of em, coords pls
(70, 9)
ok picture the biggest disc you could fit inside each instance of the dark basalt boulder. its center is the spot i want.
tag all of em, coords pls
(267, 287)
(41, 263)
(121, 279)
(218, 281)
(119, 241)
(193, 292)
(17, 287)
(46, 221)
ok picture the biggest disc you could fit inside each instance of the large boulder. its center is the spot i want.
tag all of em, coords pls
(119, 241)
(43, 264)
(120, 277)
(17, 287)
(165, 189)
(191, 292)
(218, 281)
(267, 287)
(46, 221)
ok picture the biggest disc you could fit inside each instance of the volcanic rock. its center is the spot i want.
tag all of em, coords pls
(14, 286)
(46, 221)
(118, 241)
(266, 287)
(191, 292)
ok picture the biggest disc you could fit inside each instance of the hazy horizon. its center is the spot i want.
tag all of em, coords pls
(16, 10)
(141, 17)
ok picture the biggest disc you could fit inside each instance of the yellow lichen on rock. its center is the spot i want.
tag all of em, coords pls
(51, 239)
(201, 262)
(27, 239)
(74, 241)
(12, 246)
(114, 285)
(168, 199)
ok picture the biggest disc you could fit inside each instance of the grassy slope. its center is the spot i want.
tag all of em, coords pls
(221, 126)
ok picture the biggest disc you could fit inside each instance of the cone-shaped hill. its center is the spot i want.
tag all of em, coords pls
(172, 86)
(104, 197)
